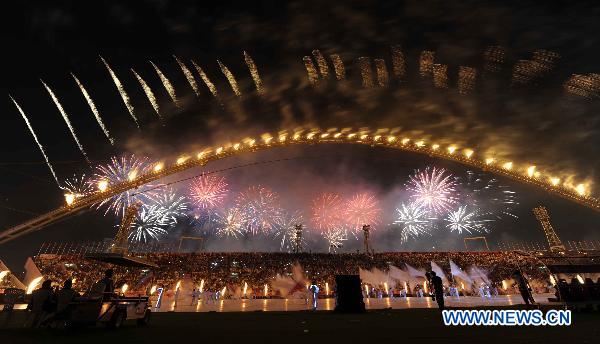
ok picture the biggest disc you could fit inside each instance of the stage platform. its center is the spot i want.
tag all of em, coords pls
(289, 305)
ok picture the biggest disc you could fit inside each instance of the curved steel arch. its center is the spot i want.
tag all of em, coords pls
(466, 157)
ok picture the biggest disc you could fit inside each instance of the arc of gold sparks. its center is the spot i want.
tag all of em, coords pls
(530, 175)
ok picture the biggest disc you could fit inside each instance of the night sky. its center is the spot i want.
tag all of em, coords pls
(534, 123)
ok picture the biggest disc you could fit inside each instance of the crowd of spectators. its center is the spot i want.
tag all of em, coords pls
(257, 269)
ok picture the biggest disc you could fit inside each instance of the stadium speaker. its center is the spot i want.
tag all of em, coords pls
(349, 294)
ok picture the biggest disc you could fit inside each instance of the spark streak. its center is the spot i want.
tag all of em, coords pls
(149, 93)
(122, 92)
(66, 118)
(209, 84)
(230, 78)
(189, 76)
(167, 84)
(94, 109)
(36, 139)
(254, 72)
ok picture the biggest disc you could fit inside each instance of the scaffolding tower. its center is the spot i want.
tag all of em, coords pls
(121, 242)
(541, 213)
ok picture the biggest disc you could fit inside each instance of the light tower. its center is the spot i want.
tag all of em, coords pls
(297, 239)
(541, 213)
(121, 239)
(367, 232)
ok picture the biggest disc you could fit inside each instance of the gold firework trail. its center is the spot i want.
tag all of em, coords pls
(66, 118)
(254, 72)
(167, 84)
(398, 62)
(122, 92)
(426, 62)
(440, 75)
(95, 111)
(149, 93)
(36, 139)
(313, 76)
(383, 77)
(322, 63)
(466, 79)
(206, 80)
(365, 71)
(189, 76)
(230, 78)
(338, 67)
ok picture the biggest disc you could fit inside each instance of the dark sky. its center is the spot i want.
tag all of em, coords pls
(535, 122)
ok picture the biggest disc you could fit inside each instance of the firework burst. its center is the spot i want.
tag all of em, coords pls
(120, 170)
(433, 189)
(327, 211)
(335, 238)
(261, 208)
(150, 223)
(171, 204)
(208, 191)
(487, 194)
(77, 186)
(463, 220)
(285, 229)
(363, 209)
(414, 221)
(230, 224)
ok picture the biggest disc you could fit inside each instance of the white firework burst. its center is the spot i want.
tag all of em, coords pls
(230, 224)
(151, 223)
(172, 205)
(487, 194)
(122, 170)
(433, 189)
(285, 230)
(335, 238)
(261, 209)
(78, 186)
(462, 220)
(414, 221)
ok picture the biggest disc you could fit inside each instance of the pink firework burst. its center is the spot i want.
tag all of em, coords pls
(363, 209)
(327, 211)
(434, 189)
(208, 191)
(261, 209)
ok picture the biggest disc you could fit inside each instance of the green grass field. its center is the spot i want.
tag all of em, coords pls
(383, 326)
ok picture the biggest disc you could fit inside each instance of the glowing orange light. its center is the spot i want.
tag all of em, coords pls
(102, 185)
(69, 198)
